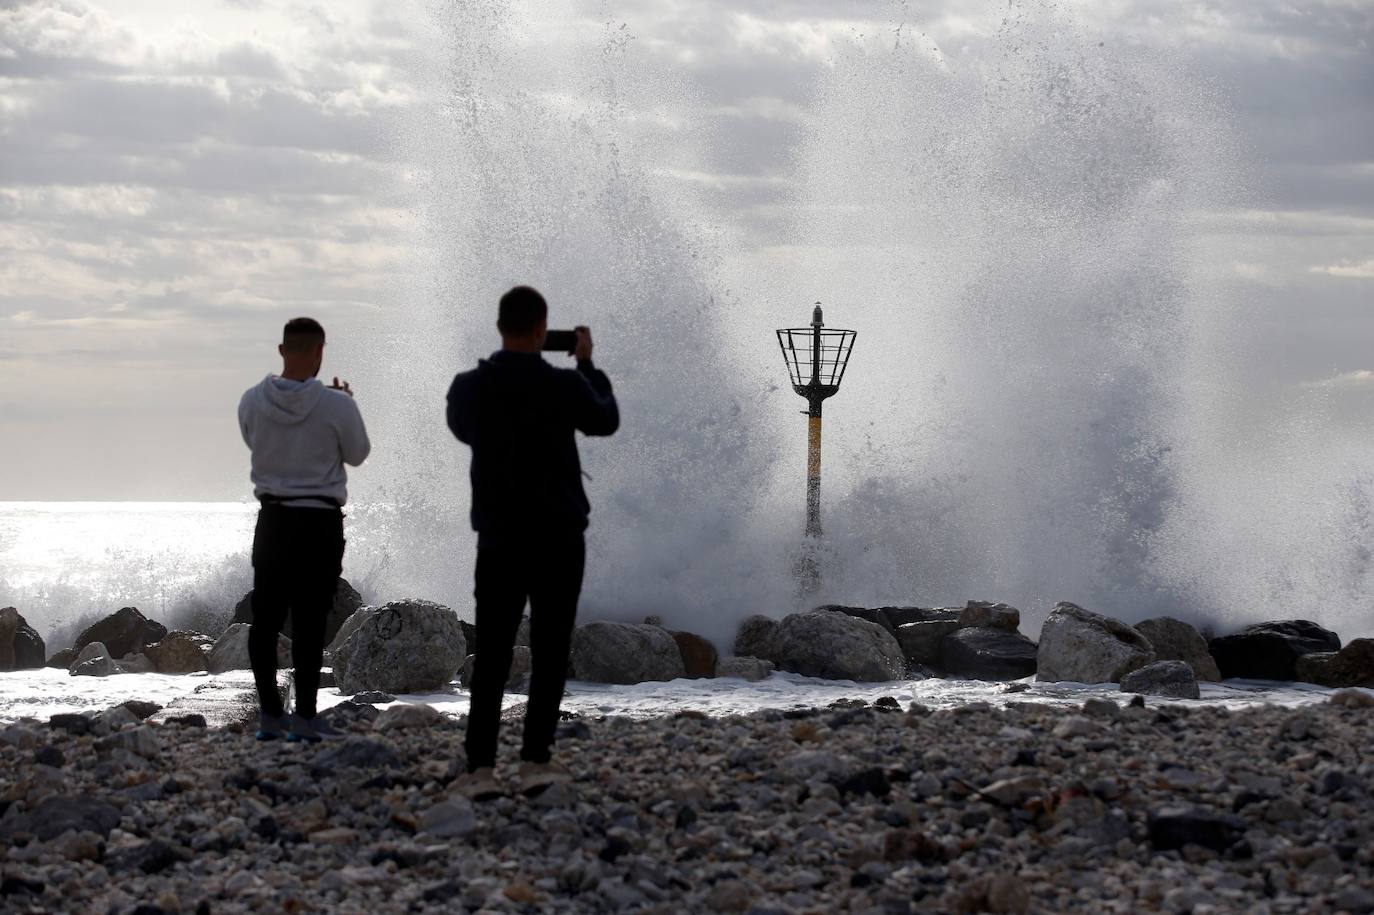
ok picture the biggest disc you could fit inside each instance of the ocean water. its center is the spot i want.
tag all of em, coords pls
(61, 561)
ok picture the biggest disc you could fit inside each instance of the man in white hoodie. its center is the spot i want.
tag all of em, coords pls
(301, 434)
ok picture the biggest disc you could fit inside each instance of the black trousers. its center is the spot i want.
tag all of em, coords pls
(547, 570)
(297, 558)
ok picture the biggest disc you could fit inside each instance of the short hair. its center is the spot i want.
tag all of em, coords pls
(522, 308)
(301, 335)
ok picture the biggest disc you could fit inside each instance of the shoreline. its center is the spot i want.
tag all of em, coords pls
(1024, 807)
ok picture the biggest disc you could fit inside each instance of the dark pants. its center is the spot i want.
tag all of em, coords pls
(546, 570)
(297, 558)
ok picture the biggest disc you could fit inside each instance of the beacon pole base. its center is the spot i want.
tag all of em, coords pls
(806, 568)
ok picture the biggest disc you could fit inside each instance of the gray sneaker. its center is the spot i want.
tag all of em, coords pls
(312, 730)
(270, 727)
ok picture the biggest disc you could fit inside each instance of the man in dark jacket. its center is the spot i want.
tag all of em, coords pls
(519, 414)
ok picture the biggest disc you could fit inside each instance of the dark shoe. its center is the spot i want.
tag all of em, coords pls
(270, 727)
(311, 730)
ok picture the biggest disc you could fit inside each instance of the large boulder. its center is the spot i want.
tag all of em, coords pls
(1174, 679)
(978, 614)
(607, 652)
(21, 647)
(1270, 651)
(699, 656)
(1175, 640)
(987, 653)
(405, 646)
(921, 638)
(755, 635)
(1353, 665)
(836, 646)
(347, 601)
(181, 652)
(62, 659)
(230, 651)
(93, 661)
(125, 631)
(1084, 647)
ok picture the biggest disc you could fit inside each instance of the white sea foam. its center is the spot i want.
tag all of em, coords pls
(41, 693)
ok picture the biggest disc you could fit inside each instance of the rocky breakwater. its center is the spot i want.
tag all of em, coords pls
(407, 646)
(1018, 809)
(21, 647)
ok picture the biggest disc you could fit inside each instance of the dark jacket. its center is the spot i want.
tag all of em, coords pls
(519, 413)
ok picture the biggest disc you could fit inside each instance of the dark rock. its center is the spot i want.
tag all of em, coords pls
(55, 815)
(611, 652)
(142, 708)
(869, 781)
(1175, 640)
(14, 885)
(50, 756)
(921, 639)
(873, 615)
(614, 848)
(900, 616)
(72, 723)
(405, 646)
(469, 635)
(979, 614)
(153, 632)
(837, 646)
(1174, 679)
(1173, 827)
(21, 647)
(988, 654)
(95, 667)
(151, 857)
(755, 637)
(62, 659)
(574, 730)
(194, 720)
(1080, 646)
(1270, 651)
(374, 697)
(181, 652)
(699, 656)
(1353, 665)
(354, 753)
(347, 601)
(124, 632)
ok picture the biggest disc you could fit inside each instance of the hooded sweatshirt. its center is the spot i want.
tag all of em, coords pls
(301, 434)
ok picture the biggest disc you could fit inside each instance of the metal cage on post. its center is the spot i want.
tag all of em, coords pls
(816, 359)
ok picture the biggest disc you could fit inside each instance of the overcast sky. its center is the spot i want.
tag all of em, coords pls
(177, 177)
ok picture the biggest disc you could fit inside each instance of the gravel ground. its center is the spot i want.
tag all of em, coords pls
(852, 808)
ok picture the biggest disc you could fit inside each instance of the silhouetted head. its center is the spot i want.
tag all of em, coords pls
(302, 348)
(523, 320)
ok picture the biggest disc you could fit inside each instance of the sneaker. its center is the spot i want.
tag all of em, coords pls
(311, 730)
(478, 785)
(536, 778)
(270, 727)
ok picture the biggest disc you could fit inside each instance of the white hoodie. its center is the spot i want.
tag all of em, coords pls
(301, 434)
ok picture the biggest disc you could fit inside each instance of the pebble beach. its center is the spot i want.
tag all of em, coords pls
(859, 806)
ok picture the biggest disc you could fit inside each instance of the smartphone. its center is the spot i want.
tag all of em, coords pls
(560, 341)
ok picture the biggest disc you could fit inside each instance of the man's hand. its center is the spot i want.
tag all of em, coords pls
(583, 351)
(336, 386)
